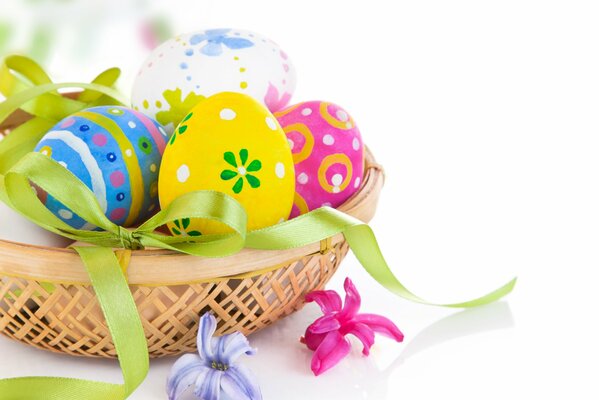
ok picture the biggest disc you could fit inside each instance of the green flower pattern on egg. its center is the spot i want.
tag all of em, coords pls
(241, 170)
(181, 226)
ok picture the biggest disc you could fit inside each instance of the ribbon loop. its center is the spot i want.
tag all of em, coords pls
(30, 89)
(19, 75)
(26, 86)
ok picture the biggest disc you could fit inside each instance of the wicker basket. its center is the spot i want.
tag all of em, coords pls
(46, 299)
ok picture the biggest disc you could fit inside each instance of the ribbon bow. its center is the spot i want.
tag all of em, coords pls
(36, 94)
(129, 240)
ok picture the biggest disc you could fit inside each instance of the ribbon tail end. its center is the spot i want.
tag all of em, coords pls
(495, 295)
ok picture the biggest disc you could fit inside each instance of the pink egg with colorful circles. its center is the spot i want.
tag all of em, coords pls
(328, 153)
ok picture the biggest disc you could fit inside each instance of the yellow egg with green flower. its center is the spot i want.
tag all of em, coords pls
(232, 144)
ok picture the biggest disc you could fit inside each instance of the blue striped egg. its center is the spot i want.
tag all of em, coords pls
(116, 153)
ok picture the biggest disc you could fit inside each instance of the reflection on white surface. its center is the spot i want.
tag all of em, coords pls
(282, 364)
(460, 324)
(359, 377)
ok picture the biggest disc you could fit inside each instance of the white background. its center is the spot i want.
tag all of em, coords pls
(485, 116)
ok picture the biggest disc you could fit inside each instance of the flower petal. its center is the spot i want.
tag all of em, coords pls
(254, 166)
(212, 49)
(183, 374)
(237, 43)
(362, 332)
(324, 324)
(332, 350)
(243, 156)
(217, 32)
(240, 384)
(227, 174)
(208, 385)
(198, 38)
(328, 300)
(352, 301)
(381, 325)
(312, 340)
(273, 101)
(238, 185)
(230, 347)
(205, 333)
(230, 158)
(253, 181)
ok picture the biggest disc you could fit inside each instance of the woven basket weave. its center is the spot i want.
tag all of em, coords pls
(46, 299)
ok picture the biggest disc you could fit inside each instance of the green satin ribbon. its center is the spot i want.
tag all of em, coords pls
(100, 261)
(127, 333)
(28, 87)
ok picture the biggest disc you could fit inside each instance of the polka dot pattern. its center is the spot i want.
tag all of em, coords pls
(117, 179)
(67, 123)
(65, 214)
(328, 154)
(280, 170)
(183, 173)
(302, 178)
(328, 140)
(227, 114)
(99, 139)
(180, 73)
(115, 152)
(238, 148)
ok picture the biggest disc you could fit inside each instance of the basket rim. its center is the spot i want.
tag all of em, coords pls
(156, 267)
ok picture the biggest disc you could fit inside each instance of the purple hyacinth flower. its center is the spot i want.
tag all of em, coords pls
(213, 370)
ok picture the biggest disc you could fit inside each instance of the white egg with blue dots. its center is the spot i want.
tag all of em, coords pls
(189, 68)
(116, 153)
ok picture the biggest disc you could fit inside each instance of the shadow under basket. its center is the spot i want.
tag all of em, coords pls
(47, 301)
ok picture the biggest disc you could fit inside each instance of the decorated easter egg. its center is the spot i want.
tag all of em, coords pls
(16, 228)
(327, 151)
(185, 70)
(116, 153)
(232, 144)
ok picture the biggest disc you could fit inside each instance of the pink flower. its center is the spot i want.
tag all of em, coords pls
(273, 100)
(326, 335)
